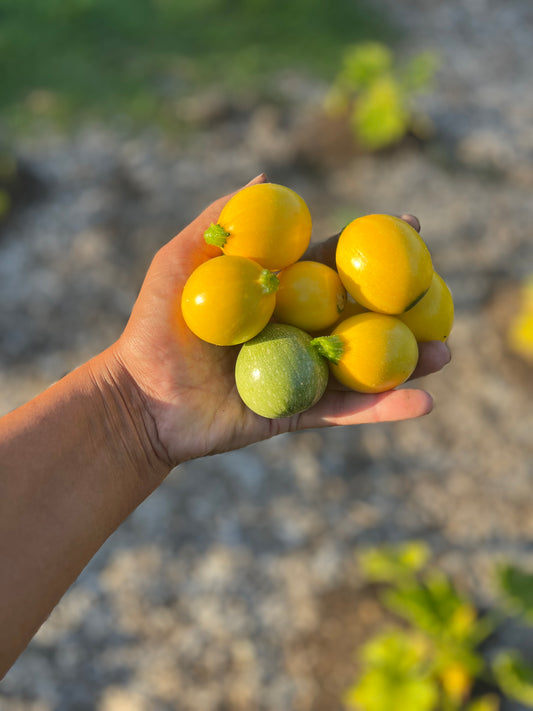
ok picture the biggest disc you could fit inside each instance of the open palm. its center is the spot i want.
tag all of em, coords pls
(188, 386)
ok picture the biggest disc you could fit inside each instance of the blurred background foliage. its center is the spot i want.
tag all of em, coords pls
(377, 92)
(440, 653)
(68, 58)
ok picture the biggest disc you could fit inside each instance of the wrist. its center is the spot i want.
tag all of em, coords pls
(127, 423)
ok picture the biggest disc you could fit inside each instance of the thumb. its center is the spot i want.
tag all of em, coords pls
(261, 178)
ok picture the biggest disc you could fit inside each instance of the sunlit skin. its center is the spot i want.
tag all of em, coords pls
(189, 386)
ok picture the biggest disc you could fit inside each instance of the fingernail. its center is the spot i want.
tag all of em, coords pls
(261, 178)
(412, 220)
(430, 404)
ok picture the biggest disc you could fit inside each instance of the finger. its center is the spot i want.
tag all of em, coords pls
(323, 251)
(412, 220)
(432, 356)
(349, 408)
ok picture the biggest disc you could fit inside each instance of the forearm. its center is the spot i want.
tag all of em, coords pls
(74, 463)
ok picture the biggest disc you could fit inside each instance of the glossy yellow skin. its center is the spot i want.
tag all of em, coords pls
(225, 301)
(379, 353)
(310, 296)
(383, 263)
(268, 223)
(431, 319)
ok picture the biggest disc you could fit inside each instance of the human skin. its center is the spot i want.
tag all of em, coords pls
(80, 457)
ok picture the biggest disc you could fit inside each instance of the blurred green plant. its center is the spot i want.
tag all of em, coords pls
(64, 58)
(433, 659)
(378, 93)
(516, 589)
(514, 676)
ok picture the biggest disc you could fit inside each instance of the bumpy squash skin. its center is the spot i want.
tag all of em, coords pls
(278, 373)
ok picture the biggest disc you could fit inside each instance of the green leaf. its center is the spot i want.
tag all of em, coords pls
(428, 605)
(394, 563)
(380, 117)
(514, 676)
(365, 63)
(396, 650)
(516, 588)
(435, 606)
(395, 675)
(379, 692)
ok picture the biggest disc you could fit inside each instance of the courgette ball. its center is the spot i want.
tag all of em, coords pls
(279, 373)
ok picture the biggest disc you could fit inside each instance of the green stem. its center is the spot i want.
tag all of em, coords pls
(269, 281)
(415, 302)
(216, 234)
(331, 347)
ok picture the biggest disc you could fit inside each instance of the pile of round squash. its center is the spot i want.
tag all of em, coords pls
(296, 320)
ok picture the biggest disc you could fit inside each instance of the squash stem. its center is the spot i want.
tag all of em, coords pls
(341, 301)
(269, 281)
(331, 347)
(415, 302)
(216, 234)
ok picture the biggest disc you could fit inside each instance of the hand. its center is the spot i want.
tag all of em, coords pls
(188, 386)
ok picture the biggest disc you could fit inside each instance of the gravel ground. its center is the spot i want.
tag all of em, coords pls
(235, 587)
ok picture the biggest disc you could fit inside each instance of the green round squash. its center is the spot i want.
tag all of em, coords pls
(279, 373)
